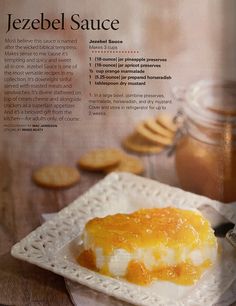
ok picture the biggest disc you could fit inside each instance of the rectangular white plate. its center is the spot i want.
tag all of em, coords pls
(55, 245)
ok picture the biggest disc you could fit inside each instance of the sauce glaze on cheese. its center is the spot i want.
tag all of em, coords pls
(160, 243)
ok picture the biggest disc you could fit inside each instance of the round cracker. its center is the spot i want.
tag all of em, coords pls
(128, 163)
(167, 122)
(155, 127)
(56, 176)
(138, 144)
(100, 159)
(152, 137)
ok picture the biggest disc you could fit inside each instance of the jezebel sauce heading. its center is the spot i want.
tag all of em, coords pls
(76, 23)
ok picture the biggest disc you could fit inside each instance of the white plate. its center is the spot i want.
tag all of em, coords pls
(55, 245)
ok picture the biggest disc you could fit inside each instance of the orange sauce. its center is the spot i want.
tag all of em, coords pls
(87, 259)
(181, 274)
(149, 227)
(207, 169)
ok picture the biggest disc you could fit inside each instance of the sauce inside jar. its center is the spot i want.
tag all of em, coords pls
(206, 169)
(206, 153)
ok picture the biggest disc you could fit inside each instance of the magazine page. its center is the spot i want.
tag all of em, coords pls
(117, 152)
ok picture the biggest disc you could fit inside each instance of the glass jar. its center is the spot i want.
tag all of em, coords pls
(206, 151)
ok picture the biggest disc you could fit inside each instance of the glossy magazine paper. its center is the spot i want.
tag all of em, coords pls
(118, 108)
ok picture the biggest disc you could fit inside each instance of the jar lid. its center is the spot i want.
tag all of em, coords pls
(212, 102)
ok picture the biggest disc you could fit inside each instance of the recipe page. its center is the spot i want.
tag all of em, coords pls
(70, 72)
(90, 88)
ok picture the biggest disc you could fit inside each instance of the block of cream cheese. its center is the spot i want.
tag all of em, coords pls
(167, 244)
